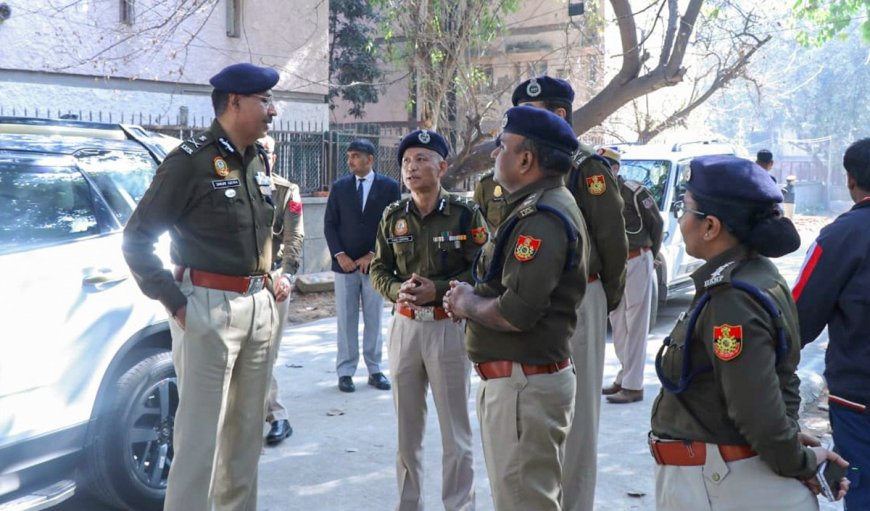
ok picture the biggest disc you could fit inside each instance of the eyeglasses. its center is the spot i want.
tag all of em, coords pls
(266, 101)
(679, 208)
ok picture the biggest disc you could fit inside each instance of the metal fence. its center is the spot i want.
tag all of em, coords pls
(309, 154)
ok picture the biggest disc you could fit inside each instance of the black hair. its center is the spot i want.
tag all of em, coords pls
(219, 100)
(856, 161)
(553, 104)
(759, 225)
(764, 156)
(550, 159)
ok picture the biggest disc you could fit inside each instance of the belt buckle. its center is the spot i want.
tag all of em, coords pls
(256, 284)
(425, 314)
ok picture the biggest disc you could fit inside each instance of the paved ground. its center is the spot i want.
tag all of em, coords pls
(342, 453)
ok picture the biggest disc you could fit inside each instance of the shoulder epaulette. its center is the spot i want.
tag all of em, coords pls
(486, 175)
(720, 275)
(195, 143)
(528, 206)
(632, 185)
(462, 201)
(395, 206)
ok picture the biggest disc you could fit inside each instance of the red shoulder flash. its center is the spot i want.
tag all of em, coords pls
(526, 249)
(727, 341)
(294, 207)
(596, 185)
(479, 235)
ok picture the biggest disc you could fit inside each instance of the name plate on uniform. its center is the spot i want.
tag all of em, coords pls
(226, 183)
(401, 239)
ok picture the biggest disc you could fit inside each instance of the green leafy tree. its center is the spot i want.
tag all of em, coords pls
(353, 59)
(831, 18)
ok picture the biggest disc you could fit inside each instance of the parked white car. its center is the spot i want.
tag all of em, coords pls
(662, 169)
(87, 387)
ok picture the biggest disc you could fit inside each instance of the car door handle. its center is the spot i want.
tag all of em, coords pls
(104, 276)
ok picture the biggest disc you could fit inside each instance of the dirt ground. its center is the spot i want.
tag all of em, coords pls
(305, 307)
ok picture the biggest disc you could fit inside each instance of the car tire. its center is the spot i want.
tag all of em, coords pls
(127, 464)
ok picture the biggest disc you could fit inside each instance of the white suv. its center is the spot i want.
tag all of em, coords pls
(87, 386)
(662, 169)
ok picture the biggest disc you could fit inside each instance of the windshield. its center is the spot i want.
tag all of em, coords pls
(121, 177)
(653, 174)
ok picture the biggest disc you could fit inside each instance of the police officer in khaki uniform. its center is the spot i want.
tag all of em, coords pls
(631, 318)
(213, 195)
(491, 197)
(423, 242)
(530, 279)
(597, 194)
(288, 234)
(725, 425)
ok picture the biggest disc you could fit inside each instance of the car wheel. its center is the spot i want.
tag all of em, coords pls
(128, 462)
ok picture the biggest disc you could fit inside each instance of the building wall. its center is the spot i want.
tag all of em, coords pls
(540, 38)
(84, 58)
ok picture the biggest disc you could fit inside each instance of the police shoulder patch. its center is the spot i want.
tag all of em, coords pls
(596, 185)
(526, 248)
(727, 341)
(479, 235)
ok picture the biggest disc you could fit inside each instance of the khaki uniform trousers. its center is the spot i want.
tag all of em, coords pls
(223, 361)
(581, 450)
(524, 422)
(630, 321)
(432, 354)
(718, 485)
(275, 409)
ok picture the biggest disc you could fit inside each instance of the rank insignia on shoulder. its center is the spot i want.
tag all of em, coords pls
(220, 167)
(596, 184)
(526, 249)
(479, 235)
(401, 227)
(727, 341)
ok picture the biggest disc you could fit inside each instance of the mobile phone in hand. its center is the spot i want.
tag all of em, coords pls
(829, 475)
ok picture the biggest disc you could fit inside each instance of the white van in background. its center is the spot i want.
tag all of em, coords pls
(662, 169)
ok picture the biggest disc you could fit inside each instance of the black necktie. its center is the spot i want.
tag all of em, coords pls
(359, 192)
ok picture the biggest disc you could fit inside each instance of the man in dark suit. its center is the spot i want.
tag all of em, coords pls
(353, 212)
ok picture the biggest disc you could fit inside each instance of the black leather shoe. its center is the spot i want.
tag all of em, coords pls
(280, 430)
(345, 384)
(379, 381)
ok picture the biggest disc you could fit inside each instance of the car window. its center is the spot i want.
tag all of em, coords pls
(42, 205)
(653, 174)
(121, 177)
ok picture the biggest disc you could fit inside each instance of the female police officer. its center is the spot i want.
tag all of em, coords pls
(725, 434)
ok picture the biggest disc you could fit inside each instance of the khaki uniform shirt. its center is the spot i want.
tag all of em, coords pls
(440, 246)
(536, 293)
(287, 229)
(492, 199)
(643, 222)
(216, 205)
(597, 194)
(745, 399)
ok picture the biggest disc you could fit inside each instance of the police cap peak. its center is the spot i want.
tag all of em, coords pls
(544, 88)
(542, 125)
(362, 145)
(423, 138)
(244, 78)
(731, 178)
